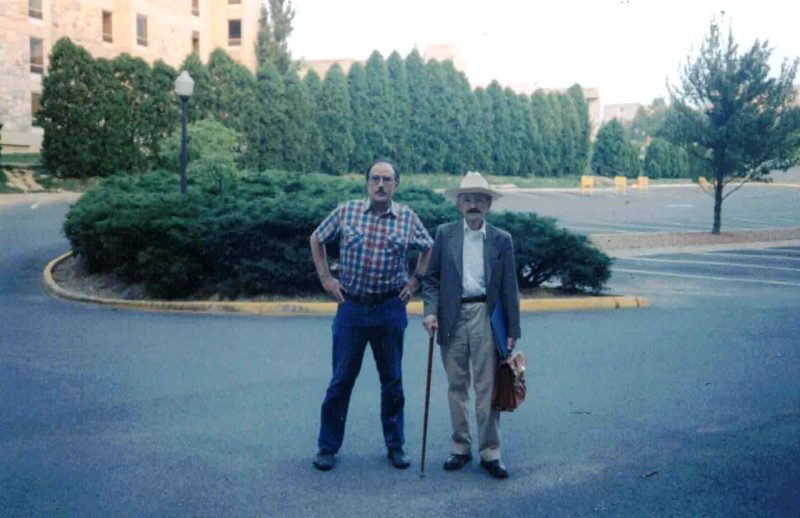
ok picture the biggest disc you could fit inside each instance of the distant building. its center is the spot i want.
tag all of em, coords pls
(624, 113)
(149, 29)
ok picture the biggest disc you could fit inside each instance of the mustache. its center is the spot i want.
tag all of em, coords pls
(473, 211)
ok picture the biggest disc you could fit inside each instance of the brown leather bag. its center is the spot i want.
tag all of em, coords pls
(509, 383)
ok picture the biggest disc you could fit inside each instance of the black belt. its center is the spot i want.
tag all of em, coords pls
(372, 298)
(471, 300)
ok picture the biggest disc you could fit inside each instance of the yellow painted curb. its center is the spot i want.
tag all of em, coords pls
(297, 308)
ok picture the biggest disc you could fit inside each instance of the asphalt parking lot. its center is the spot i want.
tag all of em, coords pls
(771, 273)
(680, 208)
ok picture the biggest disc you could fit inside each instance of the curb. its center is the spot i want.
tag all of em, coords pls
(297, 308)
(651, 240)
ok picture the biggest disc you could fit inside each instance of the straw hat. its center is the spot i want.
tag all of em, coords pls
(473, 182)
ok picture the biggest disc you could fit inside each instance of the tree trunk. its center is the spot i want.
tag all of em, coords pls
(717, 206)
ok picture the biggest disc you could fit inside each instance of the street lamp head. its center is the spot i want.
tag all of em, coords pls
(184, 85)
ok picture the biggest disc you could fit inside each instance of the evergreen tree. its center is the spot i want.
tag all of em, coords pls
(457, 133)
(545, 120)
(357, 90)
(734, 116)
(583, 137)
(557, 159)
(538, 164)
(570, 134)
(265, 141)
(202, 103)
(274, 29)
(664, 160)
(502, 147)
(162, 110)
(333, 119)
(301, 139)
(68, 112)
(419, 111)
(313, 85)
(119, 99)
(521, 134)
(397, 132)
(613, 154)
(484, 124)
(233, 87)
(436, 127)
(529, 138)
(379, 108)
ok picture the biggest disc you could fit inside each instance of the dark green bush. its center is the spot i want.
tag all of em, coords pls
(252, 238)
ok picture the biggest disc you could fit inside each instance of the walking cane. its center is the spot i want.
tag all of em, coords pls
(427, 403)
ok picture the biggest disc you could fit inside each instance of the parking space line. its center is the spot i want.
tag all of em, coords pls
(745, 254)
(713, 263)
(645, 226)
(706, 277)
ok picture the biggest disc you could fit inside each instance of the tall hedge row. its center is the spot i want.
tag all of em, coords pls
(253, 238)
(101, 116)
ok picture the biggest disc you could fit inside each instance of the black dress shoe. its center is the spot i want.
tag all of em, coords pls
(457, 461)
(324, 461)
(495, 468)
(399, 459)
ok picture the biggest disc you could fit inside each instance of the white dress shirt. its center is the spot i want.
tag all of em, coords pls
(473, 281)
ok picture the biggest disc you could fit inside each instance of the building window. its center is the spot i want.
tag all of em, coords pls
(35, 9)
(234, 33)
(37, 55)
(108, 35)
(36, 99)
(196, 42)
(196, 7)
(141, 30)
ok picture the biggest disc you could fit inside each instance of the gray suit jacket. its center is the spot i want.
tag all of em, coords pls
(442, 284)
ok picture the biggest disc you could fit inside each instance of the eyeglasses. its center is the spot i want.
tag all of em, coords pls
(375, 180)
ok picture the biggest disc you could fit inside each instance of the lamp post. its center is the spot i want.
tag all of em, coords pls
(184, 86)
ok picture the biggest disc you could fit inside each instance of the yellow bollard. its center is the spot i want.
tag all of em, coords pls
(620, 185)
(587, 183)
(643, 183)
(704, 184)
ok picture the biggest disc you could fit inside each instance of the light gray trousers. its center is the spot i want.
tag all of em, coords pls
(472, 342)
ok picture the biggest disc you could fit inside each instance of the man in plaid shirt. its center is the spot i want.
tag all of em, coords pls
(372, 291)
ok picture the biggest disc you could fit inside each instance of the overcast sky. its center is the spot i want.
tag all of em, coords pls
(625, 48)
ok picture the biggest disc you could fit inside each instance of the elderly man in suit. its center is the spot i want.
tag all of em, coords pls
(471, 270)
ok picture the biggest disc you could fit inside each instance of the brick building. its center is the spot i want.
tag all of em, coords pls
(149, 29)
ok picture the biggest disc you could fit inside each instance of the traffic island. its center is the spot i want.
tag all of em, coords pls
(297, 307)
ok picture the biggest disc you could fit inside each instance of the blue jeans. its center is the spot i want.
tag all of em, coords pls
(383, 326)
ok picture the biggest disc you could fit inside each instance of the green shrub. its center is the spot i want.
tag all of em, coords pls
(253, 238)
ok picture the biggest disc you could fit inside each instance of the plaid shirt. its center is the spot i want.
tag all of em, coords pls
(372, 248)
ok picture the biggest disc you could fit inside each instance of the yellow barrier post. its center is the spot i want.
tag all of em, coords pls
(620, 185)
(704, 184)
(587, 183)
(643, 183)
